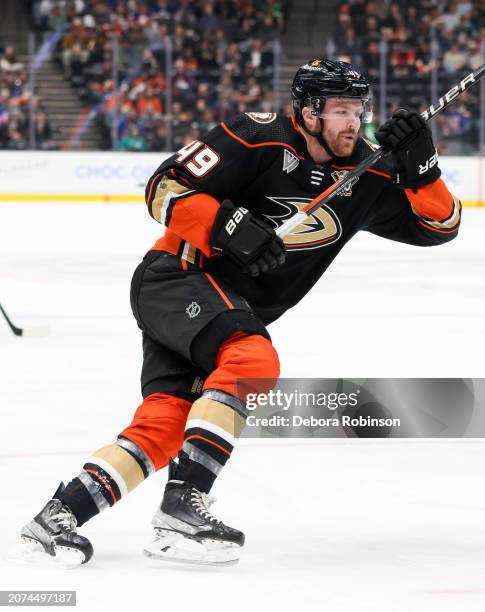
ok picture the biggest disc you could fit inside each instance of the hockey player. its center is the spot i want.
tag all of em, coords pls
(218, 275)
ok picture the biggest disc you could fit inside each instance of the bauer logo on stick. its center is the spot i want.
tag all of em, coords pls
(448, 97)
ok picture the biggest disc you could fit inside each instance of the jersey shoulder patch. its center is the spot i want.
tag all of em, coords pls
(262, 117)
(258, 129)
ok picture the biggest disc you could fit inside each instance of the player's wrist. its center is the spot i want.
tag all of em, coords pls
(404, 181)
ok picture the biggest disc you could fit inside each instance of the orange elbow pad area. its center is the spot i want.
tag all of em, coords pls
(192, 220)
(433, 201)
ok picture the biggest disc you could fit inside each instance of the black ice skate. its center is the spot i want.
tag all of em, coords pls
(53, 531)
(185, 529)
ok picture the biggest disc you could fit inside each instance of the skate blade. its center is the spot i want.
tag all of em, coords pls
(31, 551)
(174, 546)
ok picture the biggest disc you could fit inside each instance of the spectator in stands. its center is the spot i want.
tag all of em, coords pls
(424, 62)
(56, 19)
(158, 140)
(43, 132)
(16, 128)
(224, 46)
(149, 102)
(344, 23)
(351, 45)
(450, 17)
(411, 21)
(269, 27)
(182, 80)
(454, 59)
(9, 62)
(193, 133)
(206, 121)
(132, 141)
(209, 22)
(393, 22)
(425, 39)
(360, 11)
(209, 67)
(372, 33)
(371, 59)
(3, 122)
(475, 57)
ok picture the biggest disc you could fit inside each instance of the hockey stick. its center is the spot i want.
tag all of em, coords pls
(26, 331)
(329, 193)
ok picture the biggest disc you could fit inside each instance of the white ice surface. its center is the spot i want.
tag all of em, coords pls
(336, 525)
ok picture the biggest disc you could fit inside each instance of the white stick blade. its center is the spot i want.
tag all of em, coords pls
(36, 332)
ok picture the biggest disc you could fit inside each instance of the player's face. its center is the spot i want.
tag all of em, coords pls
(341, 123)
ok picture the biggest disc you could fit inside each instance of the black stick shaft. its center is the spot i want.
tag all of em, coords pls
(16, 330)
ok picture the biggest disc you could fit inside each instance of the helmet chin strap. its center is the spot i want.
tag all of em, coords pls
(319, 136)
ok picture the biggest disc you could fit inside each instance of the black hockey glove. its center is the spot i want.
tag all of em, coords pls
(410, 140)
(252, 244)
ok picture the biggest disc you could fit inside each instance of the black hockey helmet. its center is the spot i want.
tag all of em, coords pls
(320, 79)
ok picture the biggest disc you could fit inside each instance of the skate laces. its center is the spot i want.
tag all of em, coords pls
(201, 503)
(65, 519)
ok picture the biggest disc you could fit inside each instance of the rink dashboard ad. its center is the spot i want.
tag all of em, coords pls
(121, 177)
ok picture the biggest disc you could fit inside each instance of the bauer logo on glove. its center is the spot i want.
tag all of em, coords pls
(236, 218)
(249, 242)
(432, 161)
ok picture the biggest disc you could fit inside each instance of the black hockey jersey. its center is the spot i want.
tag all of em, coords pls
(260, 161)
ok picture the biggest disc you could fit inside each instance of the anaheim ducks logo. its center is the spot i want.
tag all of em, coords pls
(322, 227)
(337, 175)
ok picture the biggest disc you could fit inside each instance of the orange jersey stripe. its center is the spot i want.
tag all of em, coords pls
(177, 176)
(220, 291)
(260, 144)
(384, 174)
(296, 126)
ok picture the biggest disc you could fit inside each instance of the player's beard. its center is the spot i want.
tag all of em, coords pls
(339, 144)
